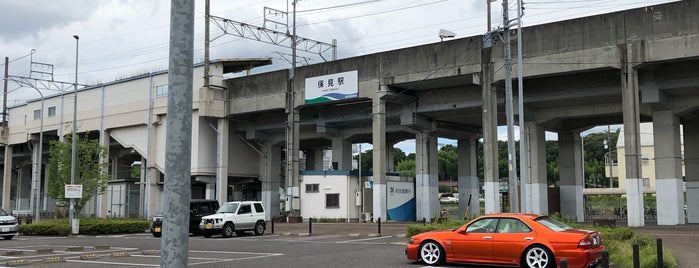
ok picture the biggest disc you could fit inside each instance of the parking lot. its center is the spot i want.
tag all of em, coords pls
(290, 246)
(336, 244)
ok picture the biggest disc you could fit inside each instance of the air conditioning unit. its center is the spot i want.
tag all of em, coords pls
(367, 217)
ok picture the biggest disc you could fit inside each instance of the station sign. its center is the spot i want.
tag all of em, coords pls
(332, 87)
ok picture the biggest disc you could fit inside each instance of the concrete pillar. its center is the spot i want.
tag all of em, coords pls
(378, 123)
(570, 166)
(103, 199)
(271, 179)
(668, 168)
(469, 186)
(691, 168)
(314, 160)
(36, 181)
(342, 153)
(7, 179)
(390, 162)
(223, 136)
(490, 135)
(537, 191)
(426, 176)
(153, 200)
(630, 56)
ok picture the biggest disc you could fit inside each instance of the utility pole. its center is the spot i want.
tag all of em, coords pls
(74, 223)
(178, 139)
(291, 128)
(4, 94)
(523, 140)
(509, 110)
(207, 13)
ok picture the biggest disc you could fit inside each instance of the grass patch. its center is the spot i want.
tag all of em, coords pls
(88, 226)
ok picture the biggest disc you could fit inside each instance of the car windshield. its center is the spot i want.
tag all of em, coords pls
(228, 208)
(553, 224)
(3, 213)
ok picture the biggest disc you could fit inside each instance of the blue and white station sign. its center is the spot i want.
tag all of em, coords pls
(332, 87)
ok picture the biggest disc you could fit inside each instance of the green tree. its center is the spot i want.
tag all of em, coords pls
(89, 169)
(406, 168)
(448, 163)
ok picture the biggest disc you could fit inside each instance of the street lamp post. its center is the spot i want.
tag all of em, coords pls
(74, 147)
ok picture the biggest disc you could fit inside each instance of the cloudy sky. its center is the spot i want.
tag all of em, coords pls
(121, 38)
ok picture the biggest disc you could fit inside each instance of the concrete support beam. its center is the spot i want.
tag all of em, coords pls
(342, 153)
(7, 178)
(570, 166)
(378, 123)
(537, 191)
(651, 93)
(222, 153)
(668, 168)
(409, 117)
(631, 56)
(691, 168)
(426, 176)
(469, 185)
(271, 179)
(490, 135)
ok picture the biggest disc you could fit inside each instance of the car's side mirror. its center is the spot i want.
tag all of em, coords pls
(462, 231)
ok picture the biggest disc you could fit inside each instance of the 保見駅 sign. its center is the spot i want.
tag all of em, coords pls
(332, 87)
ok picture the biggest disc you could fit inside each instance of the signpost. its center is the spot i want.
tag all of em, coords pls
(74, 191)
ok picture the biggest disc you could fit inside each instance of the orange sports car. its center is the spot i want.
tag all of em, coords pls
(519, 240)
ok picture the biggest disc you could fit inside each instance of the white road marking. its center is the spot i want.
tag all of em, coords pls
(115, 263)
(364, 239)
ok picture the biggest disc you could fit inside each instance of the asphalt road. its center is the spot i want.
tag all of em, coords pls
(247, 251)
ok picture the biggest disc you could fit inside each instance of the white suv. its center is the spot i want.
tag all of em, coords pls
(238, 217)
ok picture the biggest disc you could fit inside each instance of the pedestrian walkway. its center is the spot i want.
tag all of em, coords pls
(394, 229)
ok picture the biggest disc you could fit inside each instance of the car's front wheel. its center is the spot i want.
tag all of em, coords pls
(227, 230)
(538, 257)
(259, 228)
(432, 253)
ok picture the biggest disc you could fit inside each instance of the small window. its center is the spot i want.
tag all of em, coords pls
(161, 91)
(312, 188)
(332, 200)
(512, 226)
(37, 114)
(244, 209)
(646, 182)
(52, 111)
(258, 208)
(486, 225)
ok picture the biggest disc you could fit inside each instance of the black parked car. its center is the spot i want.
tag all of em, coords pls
(197, 208)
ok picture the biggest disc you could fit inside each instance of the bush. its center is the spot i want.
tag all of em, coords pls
(414, 229)
(89, 226)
